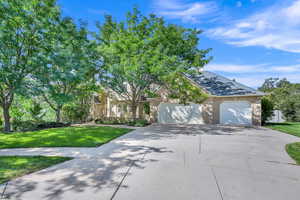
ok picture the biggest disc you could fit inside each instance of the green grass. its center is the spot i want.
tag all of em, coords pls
(88, 136)
(292, 128)
(15, 166)
(294, 151)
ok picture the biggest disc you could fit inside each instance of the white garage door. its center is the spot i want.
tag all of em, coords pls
(236, 112)
(169, 113)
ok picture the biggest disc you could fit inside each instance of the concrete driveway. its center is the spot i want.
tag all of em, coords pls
(168, 162)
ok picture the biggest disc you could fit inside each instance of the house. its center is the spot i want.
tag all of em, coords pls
(229, 102)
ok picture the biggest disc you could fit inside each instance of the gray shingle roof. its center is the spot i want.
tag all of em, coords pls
(220, 86)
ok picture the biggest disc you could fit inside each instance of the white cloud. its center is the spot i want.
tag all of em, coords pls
(254, 75)
(239, 4)
(234, 68)
(187, 12)
(277, 27)
(256, 80)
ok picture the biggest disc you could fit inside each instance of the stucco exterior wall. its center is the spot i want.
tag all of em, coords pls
(111, 107)
(253, 100)
(211, 108)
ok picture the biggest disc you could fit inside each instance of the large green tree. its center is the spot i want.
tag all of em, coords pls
(285, 96)
(144, 51)
(71, 65)
(25, 29)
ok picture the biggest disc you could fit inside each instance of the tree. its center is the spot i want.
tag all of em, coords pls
(287, 99)
(285, 96)
(267, 107)
(272, 83)
(79, 109)
(269, 84)
(24, 28)
(143, 52)
(36, 111)
(71, 64)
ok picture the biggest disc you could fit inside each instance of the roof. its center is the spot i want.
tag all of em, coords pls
(218, 85)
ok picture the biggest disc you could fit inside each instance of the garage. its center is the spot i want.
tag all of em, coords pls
(172, 113)
(236, 112)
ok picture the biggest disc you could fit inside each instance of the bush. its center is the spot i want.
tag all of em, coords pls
(111, 120)
(122, 121)
(138, 123)
(46, 125)
(24, 125)
(37, 112)
(75, 113)
(267, 107)
(33, 126)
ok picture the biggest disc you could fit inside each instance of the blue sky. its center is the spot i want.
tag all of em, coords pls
(251, 39)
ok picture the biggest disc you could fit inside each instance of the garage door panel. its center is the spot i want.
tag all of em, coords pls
(169, 113)
(236, 112)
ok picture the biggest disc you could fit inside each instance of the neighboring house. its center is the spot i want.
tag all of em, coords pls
(229, 102)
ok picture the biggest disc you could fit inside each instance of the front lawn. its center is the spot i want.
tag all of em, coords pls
(15, 166)
(88, 136)
(292, 128)
(294, 151)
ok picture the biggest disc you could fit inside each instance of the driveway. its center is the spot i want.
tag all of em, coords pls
(168, 162)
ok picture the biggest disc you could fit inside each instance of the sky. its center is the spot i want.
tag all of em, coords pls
(251, 40)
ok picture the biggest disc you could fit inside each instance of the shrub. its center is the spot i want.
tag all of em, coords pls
(116, 120)
(111, 120)
(24, 125)
(75, 113)
(33, 125)
(46, 125)
(267, 107)
(37, 112)
(138, 123)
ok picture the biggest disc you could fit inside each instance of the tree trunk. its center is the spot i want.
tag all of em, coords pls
(7, 125)
(58, 115)
(133, 110)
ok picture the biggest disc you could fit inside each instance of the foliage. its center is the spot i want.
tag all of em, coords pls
(79, 109)
(267, 107)
(112, 120)
(25, 30)
(272, 83)
(147, 108)
(285, 96)
(30, 125)
(138, 123)
(88, 136)
(181, 88)
(36, 112)
(294, 151)
(46, 125)
(122, 121)
(75, 112)
(143, 52)
(18, 125)
(71, 66)
(16, 166)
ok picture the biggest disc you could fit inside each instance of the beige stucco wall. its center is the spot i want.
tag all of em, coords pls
(111, 107)
(211, 108)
